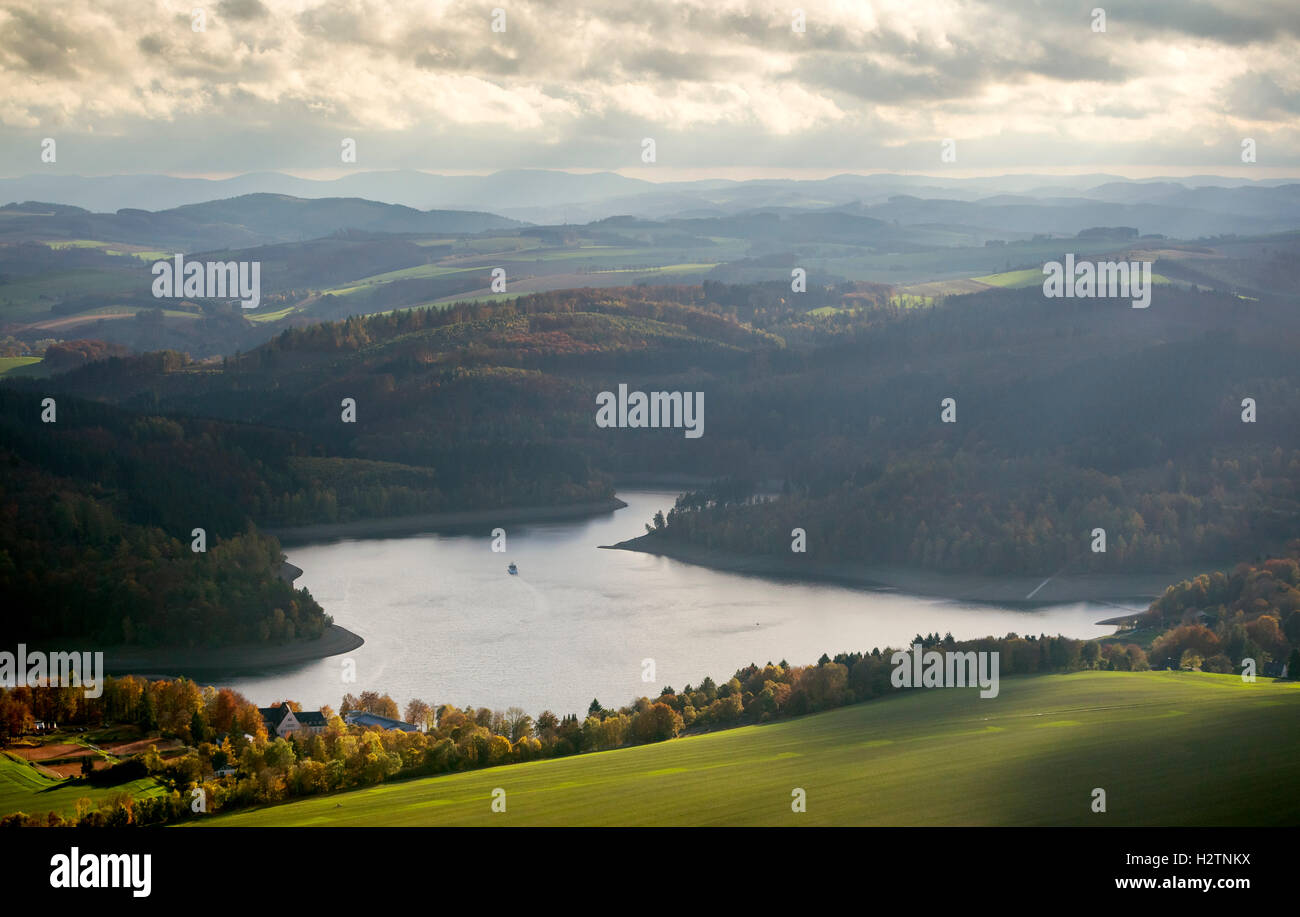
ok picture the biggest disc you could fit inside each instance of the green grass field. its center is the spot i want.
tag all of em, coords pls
(1013, 279)
(407, 273)
(466, 297)
(1033, 277)
(491, 244)
(76, 243)
(1168, 748)
(30, 298)
(684, 268)
(23, 788)
(10, 364)
(271, 316)
(137, 251)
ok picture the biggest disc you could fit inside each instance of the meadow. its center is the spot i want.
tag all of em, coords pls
(1168, 748)
(14, 364)
(1033, 277)
(25, 787)
(29, 298)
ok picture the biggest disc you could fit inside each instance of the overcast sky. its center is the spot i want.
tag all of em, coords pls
(725, 87)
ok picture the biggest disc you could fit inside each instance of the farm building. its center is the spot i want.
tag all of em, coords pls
(281, 720)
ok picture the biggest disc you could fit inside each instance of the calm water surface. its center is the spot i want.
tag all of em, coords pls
(444, 622)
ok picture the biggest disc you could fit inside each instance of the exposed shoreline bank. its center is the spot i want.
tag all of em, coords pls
(1012, 590)
(227, 660)
(432, 522)
(679, 482)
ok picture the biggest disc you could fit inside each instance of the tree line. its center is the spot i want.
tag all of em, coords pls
(222, 728)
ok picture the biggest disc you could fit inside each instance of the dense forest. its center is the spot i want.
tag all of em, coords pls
(1068, 415)
(1216, 620)
(1010, 515)
(98, 511)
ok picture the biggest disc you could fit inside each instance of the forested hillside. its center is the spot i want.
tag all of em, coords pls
(1069, 415)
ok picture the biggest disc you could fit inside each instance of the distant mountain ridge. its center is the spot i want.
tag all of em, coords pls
(244, 221)
(1188, 208)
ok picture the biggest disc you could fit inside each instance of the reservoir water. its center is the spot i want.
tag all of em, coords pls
(445, 622)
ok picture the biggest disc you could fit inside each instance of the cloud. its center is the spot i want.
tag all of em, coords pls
(242, 10)
(130, 85)
(1258, 96)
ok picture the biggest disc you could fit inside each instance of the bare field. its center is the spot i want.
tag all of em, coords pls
(49, 752)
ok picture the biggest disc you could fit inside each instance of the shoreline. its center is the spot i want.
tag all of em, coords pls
(172, 662)
(1012, 590)
(229, 661)
(679, 481)
(432, 522)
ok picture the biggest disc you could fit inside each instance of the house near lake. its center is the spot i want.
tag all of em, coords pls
(281, 721)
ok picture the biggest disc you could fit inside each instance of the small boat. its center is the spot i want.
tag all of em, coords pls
(512, 570)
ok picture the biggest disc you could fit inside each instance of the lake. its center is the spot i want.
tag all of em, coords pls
(445, 622)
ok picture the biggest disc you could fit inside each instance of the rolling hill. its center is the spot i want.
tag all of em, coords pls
(1168, 748)
(245, 221)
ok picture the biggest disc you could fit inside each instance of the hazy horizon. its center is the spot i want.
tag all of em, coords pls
(670, 175)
